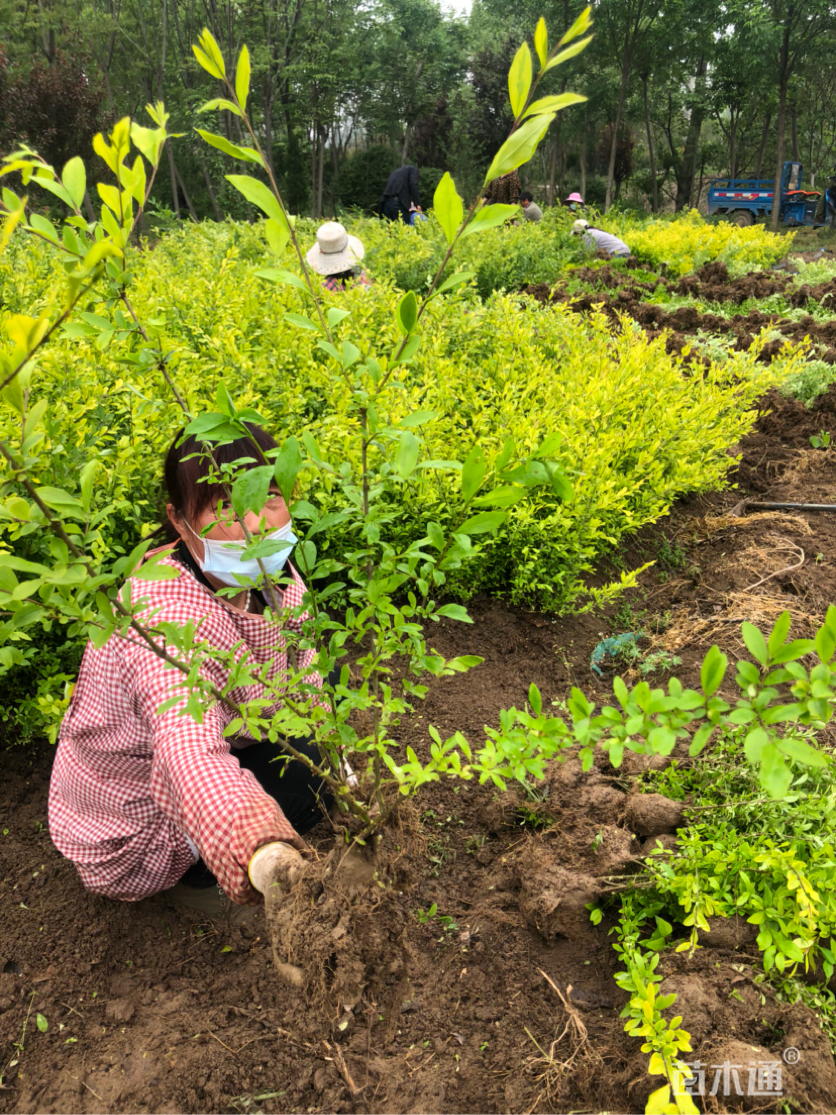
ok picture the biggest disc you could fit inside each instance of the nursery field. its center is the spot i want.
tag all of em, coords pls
(593, 874)
(507, 999)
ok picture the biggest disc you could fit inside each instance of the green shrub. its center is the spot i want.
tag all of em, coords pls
(636, 429)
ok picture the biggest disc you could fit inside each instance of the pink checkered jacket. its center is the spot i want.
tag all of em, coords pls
(131, 788)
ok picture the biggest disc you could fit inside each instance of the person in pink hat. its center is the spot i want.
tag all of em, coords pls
(574, 201)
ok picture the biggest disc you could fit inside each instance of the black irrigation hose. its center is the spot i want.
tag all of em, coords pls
(788, 507)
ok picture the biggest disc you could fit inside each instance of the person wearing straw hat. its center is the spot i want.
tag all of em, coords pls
(336, 255)
(596, 240)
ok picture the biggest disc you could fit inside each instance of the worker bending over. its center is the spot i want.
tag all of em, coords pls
(599, 241)
(143, 798)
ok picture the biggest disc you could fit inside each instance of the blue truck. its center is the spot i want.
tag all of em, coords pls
(746, 200)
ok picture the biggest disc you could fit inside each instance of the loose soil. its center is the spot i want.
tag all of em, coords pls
(617, 294)
(513, 1006)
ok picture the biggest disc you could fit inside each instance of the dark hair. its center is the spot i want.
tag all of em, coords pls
(526, 196)
(187, 466)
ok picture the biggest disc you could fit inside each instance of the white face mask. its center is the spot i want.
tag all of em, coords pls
(223, 559)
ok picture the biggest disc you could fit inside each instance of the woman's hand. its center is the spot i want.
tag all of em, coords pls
(275, 864)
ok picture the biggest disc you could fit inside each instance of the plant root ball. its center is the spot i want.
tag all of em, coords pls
(342, 925)
(742, 1060)
(729, 933)
(653, 814)
(553, 900)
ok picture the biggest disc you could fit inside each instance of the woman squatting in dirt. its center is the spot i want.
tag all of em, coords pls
(143, 800)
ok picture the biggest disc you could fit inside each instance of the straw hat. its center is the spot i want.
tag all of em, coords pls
(580, 226)
(334, 250)
(575, 197)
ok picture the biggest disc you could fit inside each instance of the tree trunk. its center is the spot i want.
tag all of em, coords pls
(174, 194)
(794, 133)
(688, 166)
(614, 146)
(651, 152)
(320, 173)
(779, 153)
(550, 189)
(733, 147)
(762, 148)
(184, 191)
(407, 135)
(215, 208)
(582, 160)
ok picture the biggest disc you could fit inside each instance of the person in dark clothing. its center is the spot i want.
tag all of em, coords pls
(401, 192)
(504, 190)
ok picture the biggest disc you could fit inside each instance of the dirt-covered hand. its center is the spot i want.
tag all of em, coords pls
(275, 864)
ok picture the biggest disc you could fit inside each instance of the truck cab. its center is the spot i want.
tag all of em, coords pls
(746, 200)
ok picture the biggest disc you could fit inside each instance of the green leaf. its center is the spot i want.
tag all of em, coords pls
(700, 739)
(245, 154)
(713, 670)
(754, 744)
(58, 500)
(259, 193)
(350, 354)
(409, 350)
(486, 522)
(407, 312)
(211, 54)
(41, 1023)
(286, 467)
(802, 752)
(335, 316)
(519, 147)
(755, 643)
(453, 611)
(54, 188)
(44, 227)
(534, 699)
(473, 472)
(406, 457)
(570, 52)
(74, 178)
(779, 634)
(505, 496)
(250, 490)
(223, 103)
(455, 280)
(88, 475)
(418, 418)
(283, 278)
(825, 643)
(541, 41)
(206, 62)
(579, 27)
(519, 79)
(242, 77)
(448, 207)
(553, 104)
(277, 234)
(303, 322)
(775, 776)
(490, 216)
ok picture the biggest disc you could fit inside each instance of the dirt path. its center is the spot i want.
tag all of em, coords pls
(150, 1011)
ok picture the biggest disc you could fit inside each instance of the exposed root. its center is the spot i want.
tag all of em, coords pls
(787, 548)
(713, 524)
(549, 1070)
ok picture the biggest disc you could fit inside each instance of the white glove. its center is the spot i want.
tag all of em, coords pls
(275, 864)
